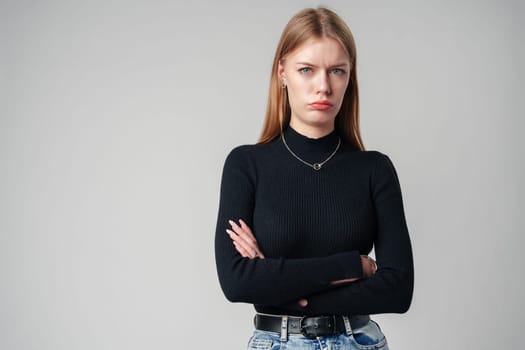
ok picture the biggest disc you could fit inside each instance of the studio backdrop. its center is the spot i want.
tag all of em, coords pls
(115, 121)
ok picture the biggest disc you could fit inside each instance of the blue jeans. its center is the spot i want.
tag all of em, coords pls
(367, 337)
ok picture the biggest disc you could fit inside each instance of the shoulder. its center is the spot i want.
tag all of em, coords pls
(240, 156)
(369, 159)
(238, 167)
(245, 160)
(373, 157)
(238, 153)
(241, 161)
(382, 167)
(249, 154)
(374, 163)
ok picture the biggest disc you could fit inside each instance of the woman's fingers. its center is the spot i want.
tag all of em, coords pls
(240, 244)
(373, 264)
(245, 239)
(251, 237)
(249, 243)
(369, 265)
(241, 250)
(245, 232)
(247, 229)
(244, 248)
(347, 280)
(244, 251)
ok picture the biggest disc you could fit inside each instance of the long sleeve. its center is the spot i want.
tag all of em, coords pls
(270, 281)
(390, 289)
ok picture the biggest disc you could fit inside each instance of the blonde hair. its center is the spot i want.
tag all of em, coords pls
(313, 23)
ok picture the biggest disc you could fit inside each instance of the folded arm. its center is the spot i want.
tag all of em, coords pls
(390, 289)
(269, 281)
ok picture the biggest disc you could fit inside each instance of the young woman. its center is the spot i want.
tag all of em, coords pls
(301, 210)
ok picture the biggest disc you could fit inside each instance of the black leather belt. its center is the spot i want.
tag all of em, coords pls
(309, 326)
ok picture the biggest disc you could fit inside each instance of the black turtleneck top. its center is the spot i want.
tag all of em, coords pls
(312, 226)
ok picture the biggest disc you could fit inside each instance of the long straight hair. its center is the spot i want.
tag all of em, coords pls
(307, 24)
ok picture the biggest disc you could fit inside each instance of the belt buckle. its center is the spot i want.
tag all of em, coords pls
(304, 331)
(312, 334)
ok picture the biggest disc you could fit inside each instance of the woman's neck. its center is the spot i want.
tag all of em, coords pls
(313, 132)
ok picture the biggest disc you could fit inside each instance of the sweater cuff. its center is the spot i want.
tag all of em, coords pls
(341, 266)
(350, 264)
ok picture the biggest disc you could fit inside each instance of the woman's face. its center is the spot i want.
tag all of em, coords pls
(316, 75)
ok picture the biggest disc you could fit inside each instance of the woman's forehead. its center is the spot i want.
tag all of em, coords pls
(321, 50)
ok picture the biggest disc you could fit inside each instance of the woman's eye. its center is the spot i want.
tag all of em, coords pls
(305, 70)
(338, 71)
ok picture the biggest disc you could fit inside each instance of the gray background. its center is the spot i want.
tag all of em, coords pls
(116, 117)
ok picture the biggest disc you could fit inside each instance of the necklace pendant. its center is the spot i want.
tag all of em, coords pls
(315, 166)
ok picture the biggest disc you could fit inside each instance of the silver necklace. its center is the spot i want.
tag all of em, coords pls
(315, 166)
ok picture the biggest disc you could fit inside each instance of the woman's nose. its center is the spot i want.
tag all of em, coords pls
(323, 84)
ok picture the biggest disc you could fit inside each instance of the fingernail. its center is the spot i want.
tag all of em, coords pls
(231, 222)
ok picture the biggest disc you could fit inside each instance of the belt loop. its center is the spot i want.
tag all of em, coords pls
(348, 327)
(284, 329)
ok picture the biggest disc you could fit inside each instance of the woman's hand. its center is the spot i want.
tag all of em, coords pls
(244, 240)
(369, 266)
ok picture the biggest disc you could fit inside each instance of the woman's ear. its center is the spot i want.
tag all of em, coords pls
(280, 73)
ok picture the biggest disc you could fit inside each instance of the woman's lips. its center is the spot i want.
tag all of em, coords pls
(321, 105)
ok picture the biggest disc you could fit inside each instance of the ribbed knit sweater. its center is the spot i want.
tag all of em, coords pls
(312, 226)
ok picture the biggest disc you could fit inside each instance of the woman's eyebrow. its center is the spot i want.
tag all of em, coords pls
(332, 66)
(305, 64)
(343, 64)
